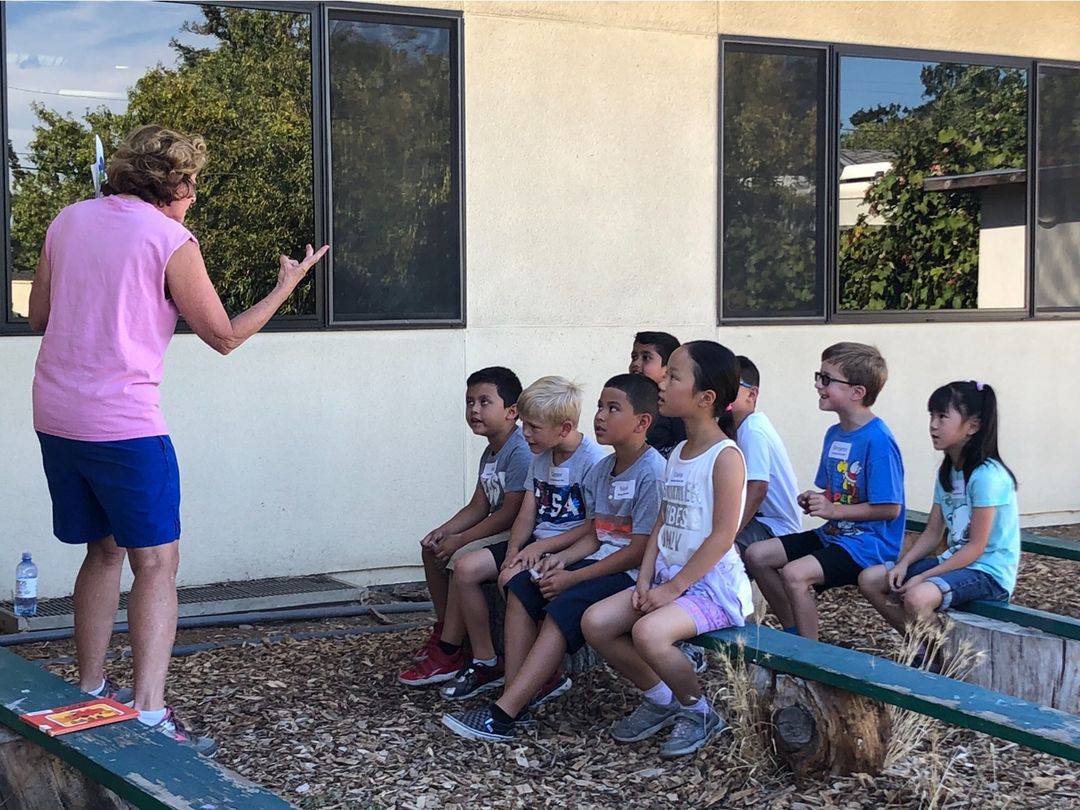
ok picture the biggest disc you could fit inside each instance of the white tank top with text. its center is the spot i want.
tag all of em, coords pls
(688, 519)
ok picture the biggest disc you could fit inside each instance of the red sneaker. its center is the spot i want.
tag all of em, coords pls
(433, 640)
(436, 668)
(555, 686)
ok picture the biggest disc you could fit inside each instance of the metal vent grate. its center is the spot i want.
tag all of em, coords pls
(201, 600)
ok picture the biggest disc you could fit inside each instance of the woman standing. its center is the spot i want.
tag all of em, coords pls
(114, 274)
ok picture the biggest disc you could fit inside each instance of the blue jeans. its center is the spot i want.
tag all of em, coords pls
(959, 586)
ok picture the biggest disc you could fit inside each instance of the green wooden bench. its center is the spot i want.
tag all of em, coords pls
(1030, 541)
(961, 704)
(1051, 623)
(142, 767)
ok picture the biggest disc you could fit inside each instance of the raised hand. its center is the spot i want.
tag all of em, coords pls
(292, 272)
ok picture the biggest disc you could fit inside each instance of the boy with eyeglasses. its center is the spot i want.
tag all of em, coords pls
(772, 508)
(861, 478)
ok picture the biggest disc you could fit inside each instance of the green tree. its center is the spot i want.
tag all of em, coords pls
(926, 256)
(248, 92)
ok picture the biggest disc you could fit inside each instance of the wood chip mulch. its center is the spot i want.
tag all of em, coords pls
(325, 724)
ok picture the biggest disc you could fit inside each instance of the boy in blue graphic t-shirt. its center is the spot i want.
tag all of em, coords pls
(861, 497)
(551, 518)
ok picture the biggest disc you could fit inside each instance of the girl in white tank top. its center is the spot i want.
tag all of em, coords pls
(692, 579)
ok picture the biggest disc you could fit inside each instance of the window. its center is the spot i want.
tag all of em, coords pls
(393, 137)
(1057, 203)
(913, 203)
(243, 78)
(772, 181)
(932, 185)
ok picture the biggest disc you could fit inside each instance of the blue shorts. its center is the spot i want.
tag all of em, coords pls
(129, 489)
(960, 586)
(568, 607)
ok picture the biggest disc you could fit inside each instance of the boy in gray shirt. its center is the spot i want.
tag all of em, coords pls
(622, 494)
(491, 396)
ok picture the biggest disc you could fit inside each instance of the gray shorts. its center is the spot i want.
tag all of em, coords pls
(753, 532)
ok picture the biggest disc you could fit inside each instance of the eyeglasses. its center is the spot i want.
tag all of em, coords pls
(746, 385)
(826, 380)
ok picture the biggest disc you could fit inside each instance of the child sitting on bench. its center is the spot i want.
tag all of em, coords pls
(691, 580)
(974, 501)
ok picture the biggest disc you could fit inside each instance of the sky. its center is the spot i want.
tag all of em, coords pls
(74, 56)
(868, 82)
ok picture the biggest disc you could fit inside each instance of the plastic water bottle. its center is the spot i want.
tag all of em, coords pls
(26, 586)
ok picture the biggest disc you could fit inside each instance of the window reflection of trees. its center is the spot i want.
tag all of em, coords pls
(916, 243)
(247, 90)
(772, 204)
(396, 243)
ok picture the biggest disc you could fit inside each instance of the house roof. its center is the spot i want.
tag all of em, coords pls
(983, 179)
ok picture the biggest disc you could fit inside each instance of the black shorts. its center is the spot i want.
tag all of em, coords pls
(568, 607)
(498, 552)
(836, 564)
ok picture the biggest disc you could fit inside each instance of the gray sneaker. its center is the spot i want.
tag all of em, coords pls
(644, 721)
(692, 730)
(696, 655)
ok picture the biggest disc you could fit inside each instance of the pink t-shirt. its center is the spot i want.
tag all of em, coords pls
(100, 361)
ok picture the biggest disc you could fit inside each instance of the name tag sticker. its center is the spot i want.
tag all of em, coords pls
(559, 476)
(489, 470)
(621, 490)
(958, 488)
(840, 450)
(677, 477)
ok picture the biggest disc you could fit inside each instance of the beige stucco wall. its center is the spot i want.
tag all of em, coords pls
(591, 208)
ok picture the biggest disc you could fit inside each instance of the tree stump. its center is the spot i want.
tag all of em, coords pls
(33, 779)
(1019, 661)
(819, 730)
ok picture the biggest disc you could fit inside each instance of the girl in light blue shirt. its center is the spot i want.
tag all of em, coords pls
(974, 502)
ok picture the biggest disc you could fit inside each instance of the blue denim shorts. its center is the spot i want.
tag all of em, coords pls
(129, 489)
(960, 586)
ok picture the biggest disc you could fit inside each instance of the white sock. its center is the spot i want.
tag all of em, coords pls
(660, 694)
(97, 692)
(700, 707)
(152, 718)
(487, 662)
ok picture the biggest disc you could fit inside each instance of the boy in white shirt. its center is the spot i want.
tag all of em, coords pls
(772, 508)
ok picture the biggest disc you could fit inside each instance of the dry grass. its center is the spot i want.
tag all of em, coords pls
(751, 726)
(920, 747)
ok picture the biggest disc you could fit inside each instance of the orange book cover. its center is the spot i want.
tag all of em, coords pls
(79, 716)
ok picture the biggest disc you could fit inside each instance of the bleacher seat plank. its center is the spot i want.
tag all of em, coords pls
(955, 702)
(1052, 623)
(141, 766)
(1030, 541)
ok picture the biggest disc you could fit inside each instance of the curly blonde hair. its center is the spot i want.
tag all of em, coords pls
(156, 164)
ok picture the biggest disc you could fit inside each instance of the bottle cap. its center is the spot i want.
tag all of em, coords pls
(26, 555)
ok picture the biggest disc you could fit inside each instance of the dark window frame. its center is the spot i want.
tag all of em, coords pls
(824, 136)
(319, 14)
(452, 21)
(833, 314)
(1050, 313)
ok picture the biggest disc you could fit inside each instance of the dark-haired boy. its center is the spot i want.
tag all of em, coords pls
(861, 474)
(491, 396)
(772, 508)
(544, 610)
(649, 356)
